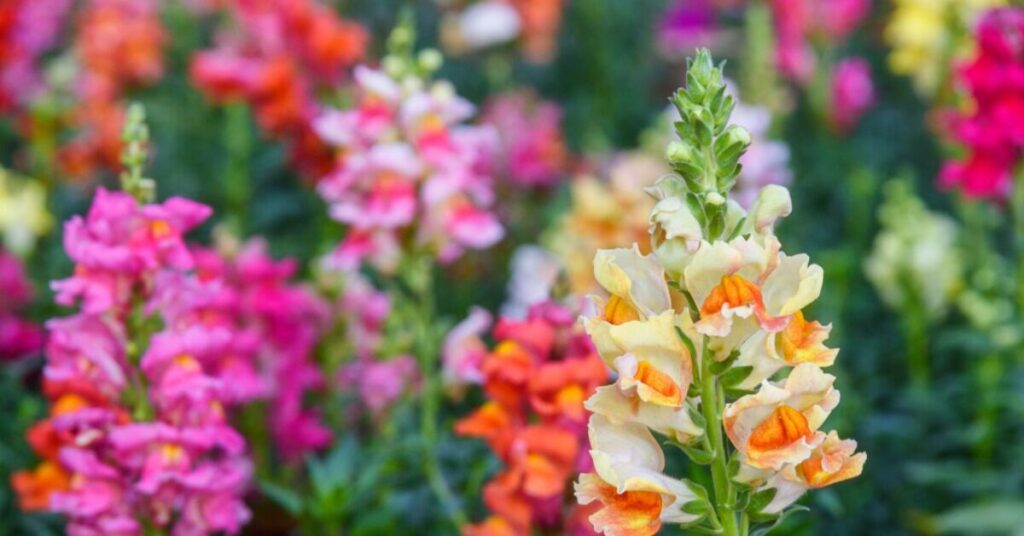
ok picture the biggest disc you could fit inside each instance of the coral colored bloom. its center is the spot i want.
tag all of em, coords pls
(537, 378)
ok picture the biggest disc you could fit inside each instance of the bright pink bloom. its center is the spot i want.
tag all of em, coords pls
(532, 149)
(993, 130)
(686, 25)
(853, 93)
(119, 242)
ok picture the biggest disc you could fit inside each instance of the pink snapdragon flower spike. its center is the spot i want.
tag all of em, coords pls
(991, 129)
(18, 336)
(275, 325)
(408, 174)
(30, 29)
(141, 381)
(853, 94)
(532, 150)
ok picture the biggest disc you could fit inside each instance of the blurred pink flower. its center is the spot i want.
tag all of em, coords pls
(799, 22)
(686, 25)
(532, 149)
(853, 93)
(464, 350)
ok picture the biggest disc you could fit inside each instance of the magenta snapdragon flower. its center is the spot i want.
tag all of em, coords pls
(138, 380)
(992, 130)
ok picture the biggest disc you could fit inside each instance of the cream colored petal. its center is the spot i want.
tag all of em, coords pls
(637, 278)
(792, 286)
(773, 203)
(620, 408)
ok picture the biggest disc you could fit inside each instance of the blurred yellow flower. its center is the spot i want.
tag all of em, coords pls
(23, 214)
(926, 34)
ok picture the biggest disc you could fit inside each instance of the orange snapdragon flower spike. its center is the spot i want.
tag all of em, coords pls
(537, 377)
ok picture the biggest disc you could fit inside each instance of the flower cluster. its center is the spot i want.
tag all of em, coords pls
(18, 337)
(607, 208)
(990, 130)
(926, 34)
(800, 22)
(486, 23)
(118, 44)
(852, 92)
(139, 382)
(697, 332)
(914, 262)
(532, 152)
(536, 379)
(275, 58)
(28, 29)
(277, 325)
(408, 175)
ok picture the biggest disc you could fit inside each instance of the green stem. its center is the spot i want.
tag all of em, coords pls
(238, 145)
(1017, 209)
(989, 372)
(915, 326)
(712, 401)
(421, 283)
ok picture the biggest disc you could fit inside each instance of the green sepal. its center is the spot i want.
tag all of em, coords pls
(719, 367)
(735, 375)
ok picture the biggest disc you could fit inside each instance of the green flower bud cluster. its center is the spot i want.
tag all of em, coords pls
(135, 137)
(402, 61)
(707, 153)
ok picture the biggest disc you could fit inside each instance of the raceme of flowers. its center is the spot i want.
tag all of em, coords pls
(990, 127)
(140, 381)
(914, 262)
(536, 378)
(716, 312)
(409, 175)
(28, 29)
(276, 57)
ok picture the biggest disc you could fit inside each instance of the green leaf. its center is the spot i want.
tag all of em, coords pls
(736, 230)
(284, 497)
(761, 499)
(735, 375)
(719, 367)
(696, 508)
(698, 527)
(697, 489)
(990, 516)
(776, 520)
(697, 455)
(696, 416)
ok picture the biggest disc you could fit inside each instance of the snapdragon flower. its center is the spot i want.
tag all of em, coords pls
(409, 174)
(709, 340)
(140, 378)
(536, 379)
